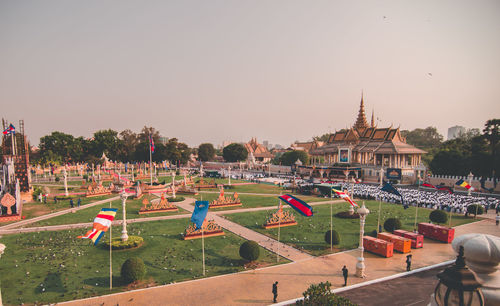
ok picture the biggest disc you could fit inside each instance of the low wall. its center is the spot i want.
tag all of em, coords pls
(450, 180)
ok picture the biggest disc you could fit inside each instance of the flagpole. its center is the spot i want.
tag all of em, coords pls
(110, 256)
(150, 159)
(379, 211)
(279, 229)
(416, 211)
(12, 140)
(203, 248)
(331, 220)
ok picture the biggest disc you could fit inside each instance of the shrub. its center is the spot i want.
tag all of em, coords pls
(228, 187)
(438, 216)
(373, 233)
(36, 192)
(392, 224)
(133, 269)
(118, 244)
(471, 209)
(249, 250)
(85, 177)
(177, 199)
(321, 294)
(177, 172)
(332, 234)
(57, 179)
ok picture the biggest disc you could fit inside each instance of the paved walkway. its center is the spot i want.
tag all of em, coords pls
(55, 214)
(264, 241)
(254, 287)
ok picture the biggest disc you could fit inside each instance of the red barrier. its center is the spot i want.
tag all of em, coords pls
(436, 232)
(401, 244)
(378, 246)
(417, 240)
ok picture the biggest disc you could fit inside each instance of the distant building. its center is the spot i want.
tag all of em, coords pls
(163, 140)
(266, 144)
(225, 143)
(456, 131)
(363, 151)
(258, 151)
(306, 146)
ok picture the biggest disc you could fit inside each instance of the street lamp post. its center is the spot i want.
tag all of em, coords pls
(229, 171)
(360, 265)
(123, 197)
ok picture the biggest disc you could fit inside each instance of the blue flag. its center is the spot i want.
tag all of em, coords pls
(199, 213)
(390, 189)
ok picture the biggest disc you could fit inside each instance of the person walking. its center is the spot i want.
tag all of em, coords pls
(345, 273)
(275, 291)
(71, 203)
(497, 219)
(408, 262)
(79, 202)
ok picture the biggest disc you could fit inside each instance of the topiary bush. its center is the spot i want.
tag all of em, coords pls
(118, 244)
(133, 269)
(471, 209)
(57, 179)
(177, 199)
(372, 233)
(438, 216)
(36, 192)
(347, 215)
(392, 224)
(332, 236)
(249, 250)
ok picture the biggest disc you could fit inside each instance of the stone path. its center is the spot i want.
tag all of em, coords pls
(55, 214)
(264, 241)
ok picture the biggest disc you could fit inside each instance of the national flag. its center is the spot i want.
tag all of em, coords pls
(101, 224)
(429, 185)
(464, 184)
(199, 213)
(345, 197)
(151, 144)
(450, 191)
(297, 204)
(391, 189)
(10, 130)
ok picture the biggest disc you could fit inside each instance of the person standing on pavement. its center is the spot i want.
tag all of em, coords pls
(71, 203)
(408, 262)
(79, 202)
(345, 273)
(275, 291)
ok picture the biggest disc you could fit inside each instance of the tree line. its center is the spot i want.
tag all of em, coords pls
(126, 146)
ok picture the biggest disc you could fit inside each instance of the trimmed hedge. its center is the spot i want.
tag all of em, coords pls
(329, 236)
(471, 209)
(438, 216)
(392, 224)
(133, 269)
(249, 250)
(177, 199)
(118, 244)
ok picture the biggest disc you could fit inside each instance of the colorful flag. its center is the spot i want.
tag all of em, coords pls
(297, 204)
(199, 213)
(10, 130)
(464, 184)
(345, 197)
(450, 191)
(429, 185)
(390, 189)
(152, 144)
(101, 224)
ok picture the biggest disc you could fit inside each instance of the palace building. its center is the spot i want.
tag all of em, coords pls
(364, 151)
(258, 152)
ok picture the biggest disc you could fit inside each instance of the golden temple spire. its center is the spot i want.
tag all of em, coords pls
(361, 123)
(373, 119)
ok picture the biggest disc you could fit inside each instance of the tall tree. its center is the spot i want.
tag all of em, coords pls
(57, 147)
(107, 142)
(492, 134)
(129, 141)
(423, 138)
(206, 152)
(234, 152)
(289, 158)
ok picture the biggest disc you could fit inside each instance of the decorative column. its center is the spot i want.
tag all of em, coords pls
(173, 184)
(470, 182)
(123, 197)
(229, 171)
(65, 181)
(360, 266)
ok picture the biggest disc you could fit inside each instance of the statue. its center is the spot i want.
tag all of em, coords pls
(280, 218)
(210, 229)
(159, 205)
(223, 201)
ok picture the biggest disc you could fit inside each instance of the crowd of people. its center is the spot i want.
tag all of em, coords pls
(423, 197)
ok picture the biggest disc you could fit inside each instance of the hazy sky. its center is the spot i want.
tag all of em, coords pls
(208, 71)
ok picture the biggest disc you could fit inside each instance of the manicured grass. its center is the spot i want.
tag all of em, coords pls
(309, 234)
(252, 201)
(50, 267)
(88, 214)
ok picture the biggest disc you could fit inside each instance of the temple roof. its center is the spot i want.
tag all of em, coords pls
(361, 123)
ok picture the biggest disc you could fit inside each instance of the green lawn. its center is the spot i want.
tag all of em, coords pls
(88, 214)
(309, 234)
(50, 267)
(252, 201)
